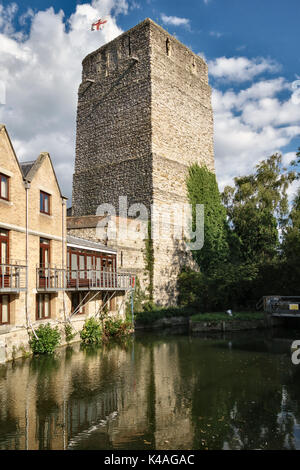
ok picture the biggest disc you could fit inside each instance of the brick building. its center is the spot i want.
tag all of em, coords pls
(46, 275)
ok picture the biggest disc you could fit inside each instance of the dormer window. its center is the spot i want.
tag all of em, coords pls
(44, 203)
(4, 187)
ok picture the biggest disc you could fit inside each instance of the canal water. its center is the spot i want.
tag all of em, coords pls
(156, 391)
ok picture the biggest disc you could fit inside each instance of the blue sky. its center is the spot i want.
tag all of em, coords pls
(251, 47)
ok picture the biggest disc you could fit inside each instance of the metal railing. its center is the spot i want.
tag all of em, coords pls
(278, 305)
(85, 279)
(55, 279)
(50, 278)
(13, 277)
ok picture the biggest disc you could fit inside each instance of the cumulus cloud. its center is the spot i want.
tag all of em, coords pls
(41, 71)
(175, 20)
(250, 125)
(240, 69)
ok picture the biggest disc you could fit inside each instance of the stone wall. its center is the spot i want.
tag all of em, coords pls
(113, 141)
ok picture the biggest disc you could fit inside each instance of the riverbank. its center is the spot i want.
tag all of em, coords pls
(237, 321)
(199, 322)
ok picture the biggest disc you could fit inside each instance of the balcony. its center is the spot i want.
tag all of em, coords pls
(12, 278)
(52, 279)
(93, 279)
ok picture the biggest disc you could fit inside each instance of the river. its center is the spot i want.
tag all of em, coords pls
(156, 391)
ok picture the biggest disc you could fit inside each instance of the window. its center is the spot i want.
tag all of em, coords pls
(4, 309)
(78, 301)
(44, 203)
(4, 186)
(44, 253)
(3, 246)
(43, 306)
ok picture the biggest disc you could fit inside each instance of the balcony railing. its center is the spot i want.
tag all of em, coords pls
(54, 279)
(12, 278)
(50, 279)
(93, 279)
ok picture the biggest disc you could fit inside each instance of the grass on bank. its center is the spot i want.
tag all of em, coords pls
(222, 316)
(150, 316)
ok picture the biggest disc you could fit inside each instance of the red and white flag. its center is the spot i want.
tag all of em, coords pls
(99, 24)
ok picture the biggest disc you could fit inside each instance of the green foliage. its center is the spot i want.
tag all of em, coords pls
(69, 333)
(116, 328)
(48, 339)
(202, 188)
(257, 207)
(248, 261)
(91, 332)
(222, 316)
(150, 316)
(229, 286)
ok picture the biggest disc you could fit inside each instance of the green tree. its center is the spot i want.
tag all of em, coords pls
(257, 206)
(291, 236)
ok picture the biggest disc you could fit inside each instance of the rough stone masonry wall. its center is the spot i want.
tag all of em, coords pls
(182, 134)
(113, 142)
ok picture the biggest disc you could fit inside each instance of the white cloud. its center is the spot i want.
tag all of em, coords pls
(202, 55)
(240, 69)
(175, 20)
(42, 72)
(250, 125)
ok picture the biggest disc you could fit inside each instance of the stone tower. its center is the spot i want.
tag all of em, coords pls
(144, 115)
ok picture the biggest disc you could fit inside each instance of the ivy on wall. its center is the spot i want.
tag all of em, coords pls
(202, 188)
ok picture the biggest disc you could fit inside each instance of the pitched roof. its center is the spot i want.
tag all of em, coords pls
(32, 167)
(26, 167)
(3, 128)
(88, 244)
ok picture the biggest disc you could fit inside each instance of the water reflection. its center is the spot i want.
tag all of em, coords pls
(237, 391)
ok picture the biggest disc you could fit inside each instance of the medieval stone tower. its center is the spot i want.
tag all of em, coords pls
(144, 115)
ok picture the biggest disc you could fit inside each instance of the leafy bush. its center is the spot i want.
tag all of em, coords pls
(48, 339)
(69, 334)
(116, 328)
(91, 332)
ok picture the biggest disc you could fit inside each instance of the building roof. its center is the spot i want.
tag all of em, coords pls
(88, 244)
(29, 169)
(26, 167)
